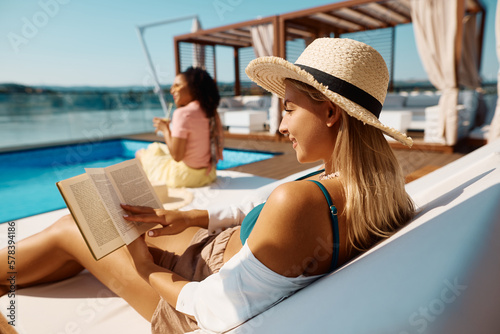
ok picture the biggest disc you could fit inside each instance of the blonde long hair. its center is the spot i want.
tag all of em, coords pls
(376, 202)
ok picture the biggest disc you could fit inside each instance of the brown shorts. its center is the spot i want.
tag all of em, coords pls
(202, 258)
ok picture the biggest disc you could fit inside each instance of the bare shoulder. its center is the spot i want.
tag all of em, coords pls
(287, 231)
(295, 197)
(303, 196)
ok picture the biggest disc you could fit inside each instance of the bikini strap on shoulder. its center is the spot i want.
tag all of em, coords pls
(335, 224)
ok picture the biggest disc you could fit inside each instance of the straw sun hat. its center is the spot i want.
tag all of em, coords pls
(351, 74)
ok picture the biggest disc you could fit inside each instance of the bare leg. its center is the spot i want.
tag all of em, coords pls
(60, 252)
(38, 260)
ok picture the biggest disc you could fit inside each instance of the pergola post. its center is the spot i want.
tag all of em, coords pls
(282, 39)
(481, 37)
(177, 57)
(391, 79)
(237, 83)
(215, 66)
(277, 36)
(459, 38)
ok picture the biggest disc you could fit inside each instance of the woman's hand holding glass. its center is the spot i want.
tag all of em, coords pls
(161, 125)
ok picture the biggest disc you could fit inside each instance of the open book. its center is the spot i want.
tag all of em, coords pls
(94, 201)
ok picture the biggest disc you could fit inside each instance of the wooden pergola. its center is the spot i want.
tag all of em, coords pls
(331, 20)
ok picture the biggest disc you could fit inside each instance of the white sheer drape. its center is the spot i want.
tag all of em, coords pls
(435, 28)
(198, 50)
(263, 40)
(495, 123)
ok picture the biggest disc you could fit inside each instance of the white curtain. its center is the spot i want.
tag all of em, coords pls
(263, 40)
(435, 28)
(495, 123)
(198, 50)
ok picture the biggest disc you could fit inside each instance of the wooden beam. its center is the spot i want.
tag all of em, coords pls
(338, 21)
(299, 32)
(387, 11)
(310, 24)
(357, 18)
(384, 14)
(219, 41)
(232, 37)
(323, 9)
(197, 41)
(360, 18)
(236, 26)
(375, 17)
(396, 7)
(313, 25)
(240, 32)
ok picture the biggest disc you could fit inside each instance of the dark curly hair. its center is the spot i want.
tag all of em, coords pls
(203, 89)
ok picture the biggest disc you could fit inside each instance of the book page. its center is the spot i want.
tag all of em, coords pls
(132, 184)
(90, 215)
(111, 202)
(133, 187)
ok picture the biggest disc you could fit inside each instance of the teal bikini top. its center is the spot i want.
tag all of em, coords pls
(251, 218)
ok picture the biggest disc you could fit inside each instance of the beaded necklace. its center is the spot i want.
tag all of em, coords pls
(323, 176)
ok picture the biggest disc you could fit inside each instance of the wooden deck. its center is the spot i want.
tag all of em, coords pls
(415, 162)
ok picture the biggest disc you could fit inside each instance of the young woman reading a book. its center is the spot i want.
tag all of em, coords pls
(306, 228)
(193, 140)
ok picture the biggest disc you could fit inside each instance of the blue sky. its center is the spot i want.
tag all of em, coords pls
(91, 42)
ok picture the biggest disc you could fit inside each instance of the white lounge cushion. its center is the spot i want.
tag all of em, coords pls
(438, 275)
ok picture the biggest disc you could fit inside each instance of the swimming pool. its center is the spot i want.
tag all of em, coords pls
(27, 178)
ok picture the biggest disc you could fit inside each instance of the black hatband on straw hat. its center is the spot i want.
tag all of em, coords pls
(345, 89)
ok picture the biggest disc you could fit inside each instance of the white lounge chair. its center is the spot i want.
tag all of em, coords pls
(438, 275)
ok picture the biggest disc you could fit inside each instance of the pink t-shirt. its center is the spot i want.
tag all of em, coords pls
(191, 123)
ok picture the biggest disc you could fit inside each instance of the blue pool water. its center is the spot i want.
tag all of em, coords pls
(27, 178)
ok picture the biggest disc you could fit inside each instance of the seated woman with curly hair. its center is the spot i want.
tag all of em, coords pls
(193, 139)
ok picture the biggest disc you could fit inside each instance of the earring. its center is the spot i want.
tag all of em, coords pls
(330, 113)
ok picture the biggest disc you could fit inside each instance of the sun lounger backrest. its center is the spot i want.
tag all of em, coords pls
(438, 275)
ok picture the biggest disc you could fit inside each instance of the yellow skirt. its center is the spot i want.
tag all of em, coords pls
(162, 168)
